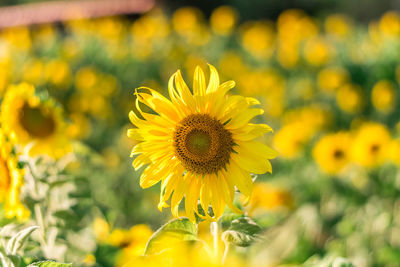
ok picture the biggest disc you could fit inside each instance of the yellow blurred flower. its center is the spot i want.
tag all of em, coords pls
(150, 27)
(290, 145)
(231, 65)
(33, 71)
(58, 73)
(370, 145)
(101, 229)
(189, 23)
(86, 79)
(184, 254)
(293, 27)
(331, 78)
(258, 37)
(383, 96)
(135, 243)
(390, 24)
(269, 198)
(332, 152)
(19, 38)
(11, 180)
(394, 151)
(223, 20)
(338, 25)
(79, 127)
(349, 98)
(29, 119)
(318, 51)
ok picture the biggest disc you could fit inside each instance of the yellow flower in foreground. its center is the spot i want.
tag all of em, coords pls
(31, 120)
(11, 180)
(200, 145)
(332, 152)
(370, 145)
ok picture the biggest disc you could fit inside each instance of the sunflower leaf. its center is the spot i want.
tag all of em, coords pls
(50, 264)
(242, 232)
(175, 232)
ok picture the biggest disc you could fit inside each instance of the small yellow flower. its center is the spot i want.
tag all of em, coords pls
(58, 73)
(332, 152)
(101, 229)
(268, 198)
(11, 181)
(223, 19)
(258, 38)
(394, 151)
(390, 24)
(200, 145)
(330, 79)
(290, 145)
(318, 51)
(370, 145)
(349, 98)
(383, 96)
(338, 25)
(31, 120)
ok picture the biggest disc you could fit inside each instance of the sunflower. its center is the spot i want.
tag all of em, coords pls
(200, 145)
(11, 180)
(29, 119)
(371, 145)
(332, 152)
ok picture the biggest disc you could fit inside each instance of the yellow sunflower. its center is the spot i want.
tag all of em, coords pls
(29, 119)
(332, 152)
(199, 145)
(11, 180)
(371, 145)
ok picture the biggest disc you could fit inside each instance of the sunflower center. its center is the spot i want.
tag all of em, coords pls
(338, 154)
(36, 122)
(374, 148)
(202, 144)
(4, 174)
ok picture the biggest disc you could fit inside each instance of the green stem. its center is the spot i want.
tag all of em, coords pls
(226, 251)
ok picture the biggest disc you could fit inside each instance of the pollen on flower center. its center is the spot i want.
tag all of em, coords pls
(35, 122)
(202, 144)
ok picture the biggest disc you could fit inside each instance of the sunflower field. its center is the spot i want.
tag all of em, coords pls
(176, 138)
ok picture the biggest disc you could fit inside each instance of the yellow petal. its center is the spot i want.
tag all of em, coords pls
(213, 84)
(240, 178)
(242, 119)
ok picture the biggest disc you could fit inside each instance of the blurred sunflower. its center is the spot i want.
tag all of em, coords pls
(332, 152)
(30, 119)
(199, 145)
(371, 144)
(11, 180)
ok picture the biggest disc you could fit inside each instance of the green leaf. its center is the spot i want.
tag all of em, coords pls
(18, 239)
(342, 262)
(172, 233)
(242, 232)
(49, 264)
(202, 212)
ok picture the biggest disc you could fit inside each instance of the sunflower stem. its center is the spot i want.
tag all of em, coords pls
(226, 251)
(214, 233)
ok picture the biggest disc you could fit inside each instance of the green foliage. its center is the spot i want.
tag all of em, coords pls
(170, 234)
(242, 232)
(50, 264)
